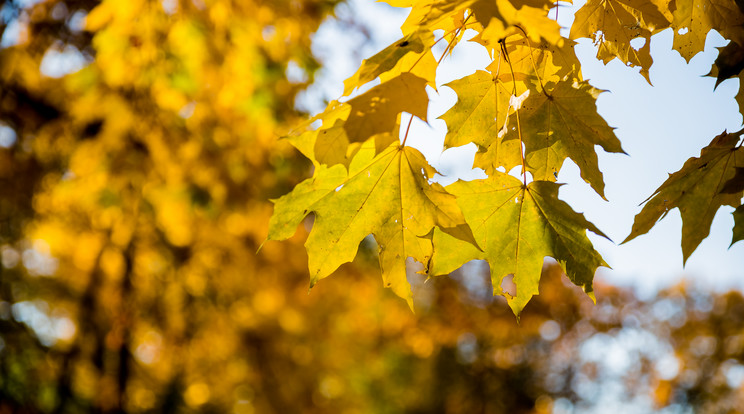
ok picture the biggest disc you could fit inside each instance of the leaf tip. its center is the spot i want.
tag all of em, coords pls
(627, 239)
(685, 255)
(592, 297)
(313, 281)
(261, 245)
(409, 300)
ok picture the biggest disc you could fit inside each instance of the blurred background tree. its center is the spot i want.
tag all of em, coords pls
(138, 151)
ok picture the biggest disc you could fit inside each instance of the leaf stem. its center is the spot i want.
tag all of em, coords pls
(457, 33)
(408, 128)
(556, 10)
(449, 45)
(464, 24)
(521, 148)
(532, 59)
(516, 111)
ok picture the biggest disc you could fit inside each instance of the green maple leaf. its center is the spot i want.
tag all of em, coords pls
(327, 144)
(385, 195)
(518, 226)
(614, 23)
(698, 190)
(372, 114)
(483, 103)
(485, 99)
(480, 112)
(500, 155)
(564, 123)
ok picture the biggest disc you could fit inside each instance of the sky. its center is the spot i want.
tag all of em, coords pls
(660, 127)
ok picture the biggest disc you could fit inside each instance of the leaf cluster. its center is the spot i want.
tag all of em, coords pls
(529, 110)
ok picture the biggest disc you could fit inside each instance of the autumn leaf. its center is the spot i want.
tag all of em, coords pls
(735, 184)
(738, 224)
(502, 18)
(613, 24)
(327, 144)
(291, 209)
(385, 195)
(729, 63)
(497, 18)
(500, 155)
(541, 62)
(564, 123)
(484, 98)
(696, 190)
(518, 226)
(376, 111)
(480, 112)
(693, 19)
(433, 14)
(411, 54)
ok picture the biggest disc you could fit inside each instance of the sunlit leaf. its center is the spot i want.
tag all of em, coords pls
(615, 23)
(693, 19)
(518, 226)
(563, 123)
(385, 195)
(696, 190)
(376, 111)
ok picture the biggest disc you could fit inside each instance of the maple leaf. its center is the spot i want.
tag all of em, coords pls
(729, 63)
(502, 18)
(560, 124)
(480, 111)
(697, 191)
(376, 111)
(484, 100)
(495, 19)
(327, 144)
(541, 62)
(518, 226)
(698, 17)
(614, 23)
(529, 108)
(411, 54)
(385, 195)
(433, 14)
(735, 184)
(738, 225)
(500, 154)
